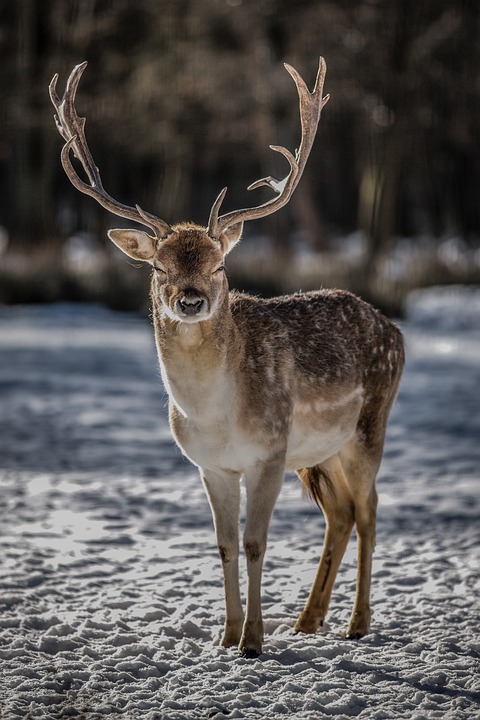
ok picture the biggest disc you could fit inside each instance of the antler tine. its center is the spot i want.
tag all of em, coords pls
(311, 105)
(72, 128)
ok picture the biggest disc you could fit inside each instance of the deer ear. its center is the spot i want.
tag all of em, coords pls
(230, 237)
(134, 243)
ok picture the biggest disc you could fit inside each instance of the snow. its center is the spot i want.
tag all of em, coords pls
(110, 587)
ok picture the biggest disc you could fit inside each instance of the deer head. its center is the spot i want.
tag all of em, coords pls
(187, 259)
(189, 278)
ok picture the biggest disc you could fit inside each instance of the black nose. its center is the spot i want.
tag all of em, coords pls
(190, 304)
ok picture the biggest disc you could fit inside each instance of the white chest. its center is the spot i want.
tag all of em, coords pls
(204, 421)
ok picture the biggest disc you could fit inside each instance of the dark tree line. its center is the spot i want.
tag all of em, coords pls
(183, 97)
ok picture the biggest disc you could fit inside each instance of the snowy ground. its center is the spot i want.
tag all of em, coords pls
(110, 586)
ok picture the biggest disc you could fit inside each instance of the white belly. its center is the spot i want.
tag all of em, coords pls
(306, 449)
(320, 429)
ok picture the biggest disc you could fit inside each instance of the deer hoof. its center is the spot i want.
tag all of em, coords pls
(306, 625)
(249, 653)
(359, 626)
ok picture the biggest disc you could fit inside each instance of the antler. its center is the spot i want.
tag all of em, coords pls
(72, 128)
(311, 104)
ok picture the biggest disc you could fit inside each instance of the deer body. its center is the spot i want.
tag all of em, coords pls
(235, 396)
(303, 382)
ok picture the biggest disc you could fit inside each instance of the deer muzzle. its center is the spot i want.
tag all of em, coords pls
(190, 303)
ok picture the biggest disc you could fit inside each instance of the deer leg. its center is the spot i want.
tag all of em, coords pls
(262, 493)
(223, 492)
(361, 466)
(365, 517)
(338, 510)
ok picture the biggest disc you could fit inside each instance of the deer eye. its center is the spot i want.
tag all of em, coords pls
(219, 269)
(161, 272)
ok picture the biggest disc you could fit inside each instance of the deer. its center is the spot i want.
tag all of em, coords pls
(260, 386)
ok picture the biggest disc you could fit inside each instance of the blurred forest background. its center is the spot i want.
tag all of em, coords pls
(184, 97)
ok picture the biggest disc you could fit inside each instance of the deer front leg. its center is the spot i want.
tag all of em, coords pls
(263, 486)
(223, 492)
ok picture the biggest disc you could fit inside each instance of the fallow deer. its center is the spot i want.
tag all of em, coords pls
(258, 386)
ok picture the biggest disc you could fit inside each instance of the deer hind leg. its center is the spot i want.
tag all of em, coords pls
(336, 503)
(365, 518)
(361, 468)
(224, 496)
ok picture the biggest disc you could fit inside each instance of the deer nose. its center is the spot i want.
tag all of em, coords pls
(190, 303)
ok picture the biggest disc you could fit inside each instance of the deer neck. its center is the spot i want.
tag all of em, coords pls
(194, 358)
